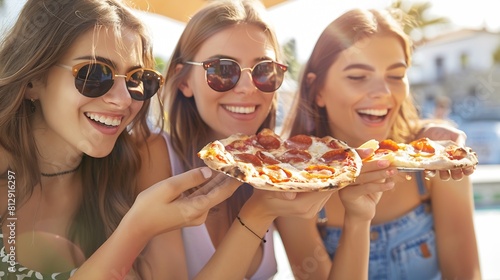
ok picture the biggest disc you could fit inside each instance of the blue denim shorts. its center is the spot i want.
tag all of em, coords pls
(404, 248)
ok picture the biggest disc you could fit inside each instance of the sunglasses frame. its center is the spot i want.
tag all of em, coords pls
(206, 65)
(127, 76)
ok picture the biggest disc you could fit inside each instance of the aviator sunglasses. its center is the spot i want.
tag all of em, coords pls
(223, 74)
(94, 79)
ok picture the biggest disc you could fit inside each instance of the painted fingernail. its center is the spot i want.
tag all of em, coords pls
(289, 195)
(207, 172)
(383, 163)
(391, 172)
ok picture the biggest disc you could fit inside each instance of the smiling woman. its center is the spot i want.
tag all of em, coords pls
(75, 160)
(355, 88)
(70, 153)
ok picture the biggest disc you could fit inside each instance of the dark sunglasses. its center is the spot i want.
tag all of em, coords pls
(94, 79)
(223, 74)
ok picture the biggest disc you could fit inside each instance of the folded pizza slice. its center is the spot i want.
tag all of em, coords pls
(423, 153)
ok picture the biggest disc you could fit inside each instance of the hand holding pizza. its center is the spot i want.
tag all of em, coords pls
(288, 204)
(360, 198)
(167, 196)
(444, 156)
(441, 131)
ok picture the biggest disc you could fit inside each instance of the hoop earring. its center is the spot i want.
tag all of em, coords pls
(32, 105)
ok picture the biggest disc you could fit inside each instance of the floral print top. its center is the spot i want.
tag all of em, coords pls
(13, 270)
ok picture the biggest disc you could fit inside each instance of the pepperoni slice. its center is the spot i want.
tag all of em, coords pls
(456, 153)
(239, 145)
(422, 145)
(266, 159)
(249, 158)
(268, 142)
(295, 155)
(301, 142)
(388, 144)
(333, 144)
(337, 155)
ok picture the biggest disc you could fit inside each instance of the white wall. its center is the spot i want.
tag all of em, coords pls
(478, 46)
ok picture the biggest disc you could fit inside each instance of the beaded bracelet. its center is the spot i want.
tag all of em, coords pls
(243, 224)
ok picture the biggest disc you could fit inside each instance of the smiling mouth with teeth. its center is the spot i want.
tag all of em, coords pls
(240, 109)
(373, 114)
(104, 120)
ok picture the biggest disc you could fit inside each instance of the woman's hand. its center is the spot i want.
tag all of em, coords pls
(164, 206)
(290, 204)
(360, 198)
(443, 131)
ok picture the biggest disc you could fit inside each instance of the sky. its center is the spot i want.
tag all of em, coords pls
(304, 20)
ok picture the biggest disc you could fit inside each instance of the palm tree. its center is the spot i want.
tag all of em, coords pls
(496, 55)
(415, 18)
(290, 54)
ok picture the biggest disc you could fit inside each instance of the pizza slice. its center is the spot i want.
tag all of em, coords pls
(423, 154)
(301, 163)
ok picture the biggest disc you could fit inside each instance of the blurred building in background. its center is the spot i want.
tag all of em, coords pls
(457, 76)
(463, 67)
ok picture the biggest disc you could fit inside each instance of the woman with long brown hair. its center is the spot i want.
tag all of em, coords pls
(76, 80)
(223, 79)
(355, 88)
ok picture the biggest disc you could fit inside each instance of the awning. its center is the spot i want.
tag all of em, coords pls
(180, 10)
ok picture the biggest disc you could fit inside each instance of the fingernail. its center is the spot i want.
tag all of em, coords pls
(289, 195)
(207, 172)
(391, 172)
(390, 184)
(383, 163)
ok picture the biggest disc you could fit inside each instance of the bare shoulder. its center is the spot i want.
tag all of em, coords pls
(155, 162)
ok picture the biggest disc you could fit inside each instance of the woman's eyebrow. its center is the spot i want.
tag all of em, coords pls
(397, 65)
(105, 60)
(370, 68)
(256, 60)
(359, 66)
(96, 58)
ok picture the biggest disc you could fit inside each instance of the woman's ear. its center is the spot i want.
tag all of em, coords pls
(310, 78)
(183, 86)
(31, 91)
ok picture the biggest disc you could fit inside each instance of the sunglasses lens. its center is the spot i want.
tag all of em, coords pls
(143, 84)
(268, 76)
(222, 75)
(94, 80)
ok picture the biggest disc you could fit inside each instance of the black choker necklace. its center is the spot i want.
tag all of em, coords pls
(60, 173)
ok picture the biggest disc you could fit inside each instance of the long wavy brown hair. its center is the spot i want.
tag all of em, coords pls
(189, 133)
(306, 117)
(42, 34)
